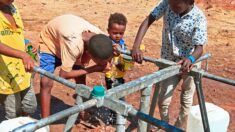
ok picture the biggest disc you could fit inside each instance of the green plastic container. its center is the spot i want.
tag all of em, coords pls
(29, 51)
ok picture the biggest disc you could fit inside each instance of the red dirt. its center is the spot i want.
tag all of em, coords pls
(221, 31)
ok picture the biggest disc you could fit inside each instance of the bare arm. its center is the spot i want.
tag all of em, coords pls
(80, 72)
(136, 53)
(8, 51)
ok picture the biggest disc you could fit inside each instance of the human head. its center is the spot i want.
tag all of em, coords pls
(117, 26)
(180, 6)
(100, 48)
(6, 2)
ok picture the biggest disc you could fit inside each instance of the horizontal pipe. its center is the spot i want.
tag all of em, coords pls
(133, 86)
(31, 127)
(162, 62)
(160, 124)
(83, 89)
(218, 78)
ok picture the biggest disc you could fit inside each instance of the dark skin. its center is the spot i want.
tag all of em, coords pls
(180, 8)
(78, 74)
(116, 33)
(6, 50)
(101, 64)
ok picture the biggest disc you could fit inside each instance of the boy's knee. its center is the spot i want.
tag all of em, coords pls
(46, 83)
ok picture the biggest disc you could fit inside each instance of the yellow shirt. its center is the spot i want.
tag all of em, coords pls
(114, 72)
(13, 77)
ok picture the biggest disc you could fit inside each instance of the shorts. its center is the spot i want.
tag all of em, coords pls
(49, 62)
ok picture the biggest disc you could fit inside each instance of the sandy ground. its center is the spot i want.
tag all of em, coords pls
(221, 31)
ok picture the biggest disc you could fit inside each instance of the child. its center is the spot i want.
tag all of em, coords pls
(71, 42)
(116, 29)
(16, 93)
(183, 36)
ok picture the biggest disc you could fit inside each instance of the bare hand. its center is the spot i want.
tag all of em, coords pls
(186, 65)
(137, 55)
(104, 68)
(115, 50)
(28, 62)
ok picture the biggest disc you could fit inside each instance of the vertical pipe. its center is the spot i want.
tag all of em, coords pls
(201, 100)
(72, 119)
(153, 104)
(144, 107)
(120, 122)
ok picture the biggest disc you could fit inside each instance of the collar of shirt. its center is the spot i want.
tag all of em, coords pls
(121, 44)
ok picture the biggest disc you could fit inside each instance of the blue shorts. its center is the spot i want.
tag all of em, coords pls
(49, 62)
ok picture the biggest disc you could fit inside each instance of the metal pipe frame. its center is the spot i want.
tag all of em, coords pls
(125, 109)
(111, 98)
(165, 63)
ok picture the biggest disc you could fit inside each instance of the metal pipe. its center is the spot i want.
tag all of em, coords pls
(72, 119)
(84, 91)
(133, 86)
(161, 62)
(120, 122)
(31, 127)
(144, 107)
(218, 78)
(126, 109)
(160, 124)
(201, 100)
(153, 103)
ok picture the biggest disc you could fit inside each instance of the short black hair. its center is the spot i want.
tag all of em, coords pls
(100, 46)
(191, 2)
(118, 18)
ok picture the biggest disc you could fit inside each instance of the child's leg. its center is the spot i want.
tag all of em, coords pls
(109, 83)
(45, 96)
(47, 62)
(29, 102)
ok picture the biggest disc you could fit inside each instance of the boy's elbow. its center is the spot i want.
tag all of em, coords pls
(63, 74)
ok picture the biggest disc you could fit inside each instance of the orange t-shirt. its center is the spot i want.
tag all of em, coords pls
(62, 37)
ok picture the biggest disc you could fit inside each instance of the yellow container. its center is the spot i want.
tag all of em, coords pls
(128, 64)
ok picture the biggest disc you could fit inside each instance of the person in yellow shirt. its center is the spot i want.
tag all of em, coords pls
(116, 29)
(16, 93)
